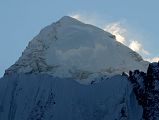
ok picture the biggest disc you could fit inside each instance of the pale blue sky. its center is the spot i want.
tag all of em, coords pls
(21, 20)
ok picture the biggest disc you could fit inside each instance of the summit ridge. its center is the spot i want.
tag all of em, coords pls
(70, 48)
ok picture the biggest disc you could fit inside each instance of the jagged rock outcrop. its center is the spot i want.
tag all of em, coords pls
(146, 89)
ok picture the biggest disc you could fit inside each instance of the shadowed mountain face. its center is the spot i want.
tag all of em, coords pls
(70, 48)
(43, 97)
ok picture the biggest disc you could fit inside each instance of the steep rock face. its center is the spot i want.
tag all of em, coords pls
(146, 89)
(70, 48)
(43, 97)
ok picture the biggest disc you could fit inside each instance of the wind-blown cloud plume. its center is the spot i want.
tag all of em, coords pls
(155, 59)
(120, 33)
(117, 29)
(89, 19)
(136, 46)
(76, 16)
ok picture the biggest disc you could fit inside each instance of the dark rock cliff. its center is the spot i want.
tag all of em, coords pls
(146, 89)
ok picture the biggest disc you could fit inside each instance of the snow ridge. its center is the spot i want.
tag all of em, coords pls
(70, 48)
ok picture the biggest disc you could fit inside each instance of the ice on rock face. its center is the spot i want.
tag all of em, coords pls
(43, 97)
(70, 48)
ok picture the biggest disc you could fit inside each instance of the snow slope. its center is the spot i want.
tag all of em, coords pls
(70, 48)
(43, 97)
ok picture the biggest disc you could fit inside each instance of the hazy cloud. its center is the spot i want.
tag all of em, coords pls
(86, 18)
(117, 30)
(120, 33)
(155, 59)
(76, 16)
(136, 46)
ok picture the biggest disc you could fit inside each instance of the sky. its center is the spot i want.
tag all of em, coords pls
(134, 22)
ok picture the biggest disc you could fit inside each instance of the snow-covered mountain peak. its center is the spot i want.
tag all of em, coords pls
(88, 55)
(67, 20)
(70, 48)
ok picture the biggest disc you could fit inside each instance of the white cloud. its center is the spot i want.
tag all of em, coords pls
(117, 30)
(114, 28)
(86, 18)
(145, 52)
(155, 59)
(76, 16)
(120, 33)
(135, 45)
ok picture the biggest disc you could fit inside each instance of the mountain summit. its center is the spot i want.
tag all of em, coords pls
(42, 85)
(70, 48)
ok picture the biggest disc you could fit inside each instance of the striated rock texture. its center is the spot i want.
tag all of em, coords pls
(146, 89)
